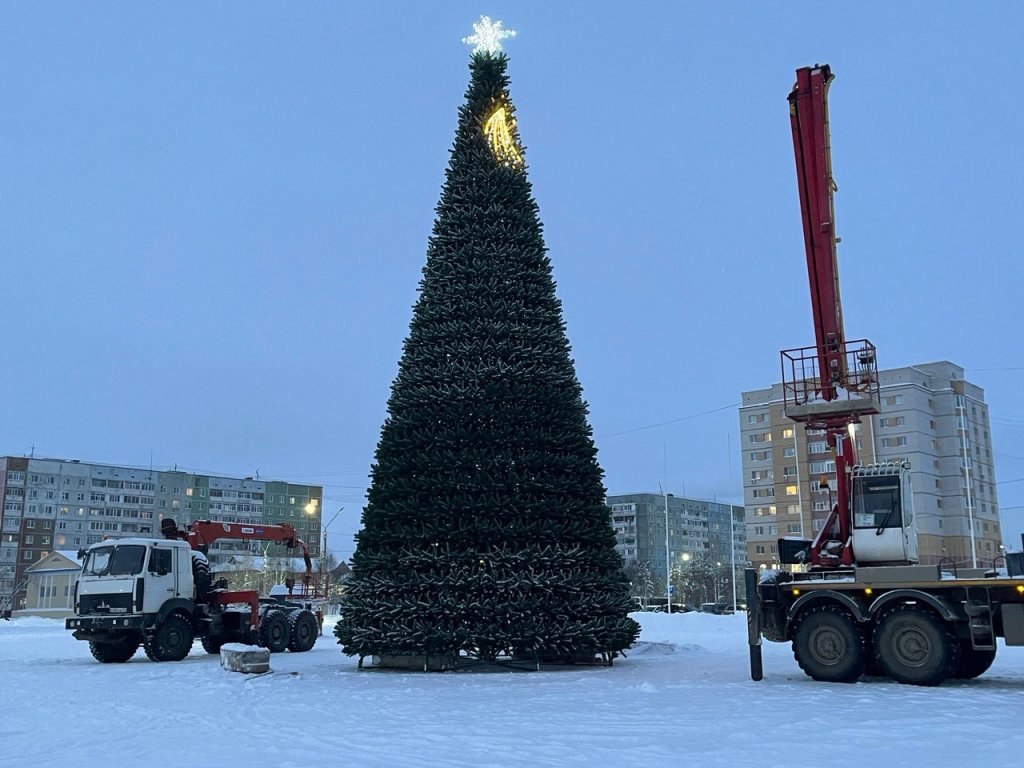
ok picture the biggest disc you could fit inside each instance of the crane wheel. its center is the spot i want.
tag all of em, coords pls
(973, 662)
(171, 641)
(915, 646)
(114, 653)
(274, 632)
(829, 645)
(304, 629)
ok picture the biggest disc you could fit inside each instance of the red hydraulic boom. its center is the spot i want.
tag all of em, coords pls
(202, 533)
(831, 385)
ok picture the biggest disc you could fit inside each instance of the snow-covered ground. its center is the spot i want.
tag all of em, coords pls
(682, 697)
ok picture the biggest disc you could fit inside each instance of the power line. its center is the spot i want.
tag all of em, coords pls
(670, 421)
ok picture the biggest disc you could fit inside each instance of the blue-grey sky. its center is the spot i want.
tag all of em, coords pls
(213, 218)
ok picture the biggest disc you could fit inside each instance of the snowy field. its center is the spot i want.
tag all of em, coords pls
(682, 697)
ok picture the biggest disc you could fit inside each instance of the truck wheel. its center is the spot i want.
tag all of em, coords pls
(212, 645)
(304, 629)
(915, 646)
(274, 631)
(829, 645)
(171, 641)
(973, 662)
(114, 653)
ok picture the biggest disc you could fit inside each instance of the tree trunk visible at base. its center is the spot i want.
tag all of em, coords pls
(486, 532)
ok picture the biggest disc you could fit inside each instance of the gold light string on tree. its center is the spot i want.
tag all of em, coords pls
(499, 129)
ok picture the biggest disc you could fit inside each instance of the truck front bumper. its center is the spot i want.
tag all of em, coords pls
(94, 627)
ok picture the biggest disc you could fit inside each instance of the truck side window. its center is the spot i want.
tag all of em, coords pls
(160, 561)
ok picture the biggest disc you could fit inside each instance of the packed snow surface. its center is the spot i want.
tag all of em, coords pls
(682, 697)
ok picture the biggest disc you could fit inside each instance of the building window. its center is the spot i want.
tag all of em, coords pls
(764, 511)
(894, 400)
(793, 528)
(817, 448)
(897, 421)
(791, 490)
(894, 442)
(787, 433)
(759, 549)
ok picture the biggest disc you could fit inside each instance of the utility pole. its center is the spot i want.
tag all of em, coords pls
(668, 557)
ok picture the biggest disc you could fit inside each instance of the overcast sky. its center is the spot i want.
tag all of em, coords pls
(213, 218)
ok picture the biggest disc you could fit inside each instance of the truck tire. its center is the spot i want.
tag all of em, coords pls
(973, 662)
(274, 631)
(916, 647)
(829, 645)
(211, 644)
(114, 653)
(171, 641)
(304, 629)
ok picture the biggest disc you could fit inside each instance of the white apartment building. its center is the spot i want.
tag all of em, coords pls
(930, 416)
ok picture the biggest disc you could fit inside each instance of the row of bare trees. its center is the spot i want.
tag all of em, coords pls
(695, 579)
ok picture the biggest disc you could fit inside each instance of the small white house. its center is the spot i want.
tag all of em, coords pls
(50, 591)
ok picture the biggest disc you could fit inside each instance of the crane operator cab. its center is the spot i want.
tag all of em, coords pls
(884, 530)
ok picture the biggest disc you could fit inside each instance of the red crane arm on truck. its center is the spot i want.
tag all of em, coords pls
(202, 533)
(808, 114)
(834, 383)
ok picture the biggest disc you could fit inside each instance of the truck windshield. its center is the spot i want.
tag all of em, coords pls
(125, 560)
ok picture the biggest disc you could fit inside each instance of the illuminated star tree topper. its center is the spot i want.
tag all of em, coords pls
(487, 36)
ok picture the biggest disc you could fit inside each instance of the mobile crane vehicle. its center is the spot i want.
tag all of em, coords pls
(862, 603)
(157, 593)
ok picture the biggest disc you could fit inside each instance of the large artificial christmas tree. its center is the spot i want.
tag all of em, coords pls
(486, 533)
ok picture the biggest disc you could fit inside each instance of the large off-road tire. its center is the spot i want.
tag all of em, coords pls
(973, 662)
(915, 646)
(304, 629)
(274, 631)
(171, 641)
(212, 645)
(829, 645)
(114, 653)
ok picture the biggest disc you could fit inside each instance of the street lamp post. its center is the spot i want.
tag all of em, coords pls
(732, 549)
(323, 555)
(668, 558)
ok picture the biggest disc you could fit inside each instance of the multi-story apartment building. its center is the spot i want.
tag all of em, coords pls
(55, 504)
(695, 527)
(930, 416)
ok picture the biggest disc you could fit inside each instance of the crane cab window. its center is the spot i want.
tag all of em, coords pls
(876, 503)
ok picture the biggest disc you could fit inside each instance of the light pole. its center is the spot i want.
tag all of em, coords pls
(668, 557)
(323, 553)
(732, 548)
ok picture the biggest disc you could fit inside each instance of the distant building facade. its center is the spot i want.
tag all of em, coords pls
(57, 504)
(50, 586)
(711, 529)
(930, 416)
